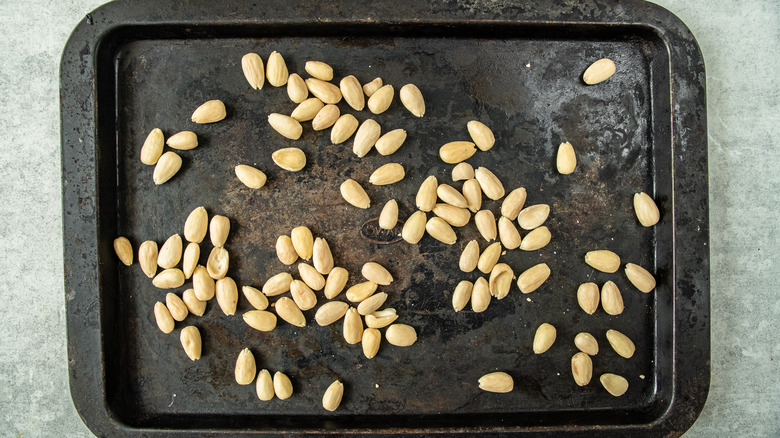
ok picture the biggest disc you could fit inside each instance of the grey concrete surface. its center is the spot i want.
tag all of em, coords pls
(741, 46)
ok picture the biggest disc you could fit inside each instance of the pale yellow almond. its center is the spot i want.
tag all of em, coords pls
(377, 273)
(380, 101)
(322, 257)
(286, 126)
(289, 311)
(183, 141)
(332, 397)
(603, 260)
(381, 318)
(147, 258)
(372, 303)
(498, 382)
(307, 109)
(296, 88)
(611, 299)
(256, 298)
(614, 384)
(190, 259)
(489, 257)
(401, 335)
(354, 194)
(462, 295)
(218, 263)
(335, 282)
(326, 117)
(311, 277)
(163, 317)
(191, 342)
(353, 326)
(227, 295)
(462, 171)
(388, 218)
(209, 112)
(581, 368)
(254, 72)
(290, 159)
(342, 130)
(302, 295)
(282, 386)
(202, 283)
(265, 385)
(508, 234)
(481, 135)
(390, 142)
(196, 225)
(412, 99)
(250, 177)
(303, 242)
(533, 277)
(170, 253)
(480, 295)
(219, 229)
(500, 280)
(152, 147)
(371, 87)
(352, 93)
(544, 338)
(586, 343)
(285, 250)
(260, 320)
(276, 70)
(361, 291)
(451, 196)
(414, 227)
(370, 342)
(167, 166)
(457, 217)
(456, 151)
(169, 279)
(486, 224)
(646, 210)
(469, 257)
(489, 183)
(365, 137)
(621, 343)
(426, 194)
(533, 216)
(319, 70)
(246, 367)
(588, 297)
(599, 71)
(330, 312)
(194, 305)
(277, 285)
(640, 277)
(325, 91)
(513, 203)
(538, 238)
(176, 306)
(472, 191)
(389, 173)
(566, 160)
(440, 230)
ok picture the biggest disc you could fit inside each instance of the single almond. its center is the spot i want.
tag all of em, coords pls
(303, 295)
(401, 335)
(147, 258)
(365, 137)
(389, 173)
(481, 135)
(614, 384)
(426, 194)
(500, 281)
(414, 227)
(499, 382)
(166, 167)
(544, 338)
(646, 210)
(194, 305)
(183, 141)
(381, 318)
(361, 291)
(412, 99)
(353, 326)
(462, 295)
(538, 238)
(296, 88)
(335, 282)
(326, 117)
(354, 194)
(290, 159)
(169, 279)
(227, 296)
(456, 151)
(371, 87)
(390, 142)
(603, 260)
(152, 147)
(489, 257)
(325, 91)
(377, 273)
(191, 342)
(254, 72)
(276, 70)
(190, 259)
(219, 229)
(581, 368)
(611, 299)
(163, 317)
(388, 218)
(451, 196)
(640, 277)
(277, 285)
(533, 216)
(352, 93)
(457, 217)
(176, 306)
(303, 242)
(486, 224)
(307, 110)
(218, 263)
(586, 343)
(170, 253)
(566, 160)
(472, 191)
(285, 250)
(621, 343)
(380, 101)
(285, 125)
(533, 277)
(508, 234)
(265, 385)
(322, 257)
(342, 130)
(256, 298)
(311, 277)
(513, 203)
(332, 397)
(440, 230)
(372, 303)
(462, 171)
(599, 71)
(289, 311)
(330, 312)
(202, 283)
(469, 257)
(489, 183)
(370, 342)
(588, 297)
(209, 112)
(196, 225)
(480, 295)
(260, 320)
(319, 70)
(282, 386)
(245, 367)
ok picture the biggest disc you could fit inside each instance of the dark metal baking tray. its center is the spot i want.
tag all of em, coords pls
(133, 66)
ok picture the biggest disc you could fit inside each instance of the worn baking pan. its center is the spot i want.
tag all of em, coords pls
(132, 66)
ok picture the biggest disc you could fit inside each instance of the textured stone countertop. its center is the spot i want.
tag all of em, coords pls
(741, 46)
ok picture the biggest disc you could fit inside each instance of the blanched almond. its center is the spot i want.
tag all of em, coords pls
(343, 129)
(498, 382)
(469, 257)
(500, 280)
(166, 167)
(256, 298)
(286, 126)
(490, 184)
(194, 305)
(289, 311)
(191, 342)
(152, 147)
(481, 135)
(276, 70)
(371, 87)
(426, 194)
(412, 99)
(614, 384)
(456, 151)
(388, 218)
(335, 282)
(311, 277)
(566, 160)
(147, 258)
(508, 234)
(538, 238)
(621, 343)
(176, 306)
(581, 368)
(486, 224)
(372, 303)
(170, 253)
(163, 317)
(462, 171)
(451, 196)
(380, 101)
(599, 71)
(254, 72)
(489, 257)
(290, 159)
(389, 173)
(265, 385)
(219, 229)
(462, 294)
(440, 230)
(381, 318)
(457, 217)
(588, 297)
(414, 227)
(533, 216)
(544, 338)
(330, 312)
(303, 242)
(296, 88)
(472, 191)
(322, 258)
(218, 263)
(306, 110)
(332, 397)
(401, 335)
(390, 142)
(227, 296)
(352, 93)
(325, 91)
(353, 326)
(372, 338)
(480, 295)
(533, 277)
(513, 203)
(377, 273)
(361, 291)
(611, 299)
(603, 260)
(326, 117)
(190, 259)
(260, 320)
(319, 70)
(365, 137)
(302, 295)
(196, 225)
(245, 367)
(209, 112)
(354, 194)
(202, 283)
(277, 285)
(285, 250)
(282, 386)
(638, 276)
(183, 141)
(169, 279)
(646, 210)
(586, 343)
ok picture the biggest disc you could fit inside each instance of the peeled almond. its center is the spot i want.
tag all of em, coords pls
(311, 277)
(544, 338)
(451, 196)
(581, 368)
(245, 367)
(588, 297)
(532, 278)
(322, 257)
(500, 280)
(462, 295)
(426, 194)
(163, 317)
(412, 99)
(169, 279)
(646, 210)
(152, 147)
(414, 228)
(282, 386)
(209, 112)
(286, 126)
(489, 257)
(319, 70)
(457, 217)
(390, 142)
(381, 318)
(196, 225)
(256, 298)
(440, 230)
(289, 311)
(586, 343)
(472, 191)
(486, 224)
(456, 151)
(513, 203)
(380, 101)
(401, 335)
(533, 216)
(366, 136)
(306, 110)
(490, 184)
(499, 382)
(345, 126)
(621, 343)
(640, 277)
(183, 141)
(469, 257)
(285, 250)
(326, 117)
(603, 260)
(481, 135)
(194, 305)
(278, 284)
(352, 93)
(508, 234)
(462, 171)
(296, 88)
(377, 273)
(227, 296)
(218, 263)
(480, 295)
(332, 397)
(371, 87)
(202, 283)
(353, 326)
(250, 177)
(325, 91)
(330, 312)
(614, 384)
(389, 173)
(303, 296)
(536, 239)
(254, 72)
(611, 299)
(276, 70)
(260, 320)
(566, 160)
(388, 218)
(599, 71)
(167, 166)
(303, 242)
(335, 282)
(354, 194)
(219, 229)
(290, 159)
(191, 342)
(147, 258)
(372, 338)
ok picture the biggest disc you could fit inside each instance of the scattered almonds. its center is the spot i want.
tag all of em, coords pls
(147, 258)
(499, 382)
